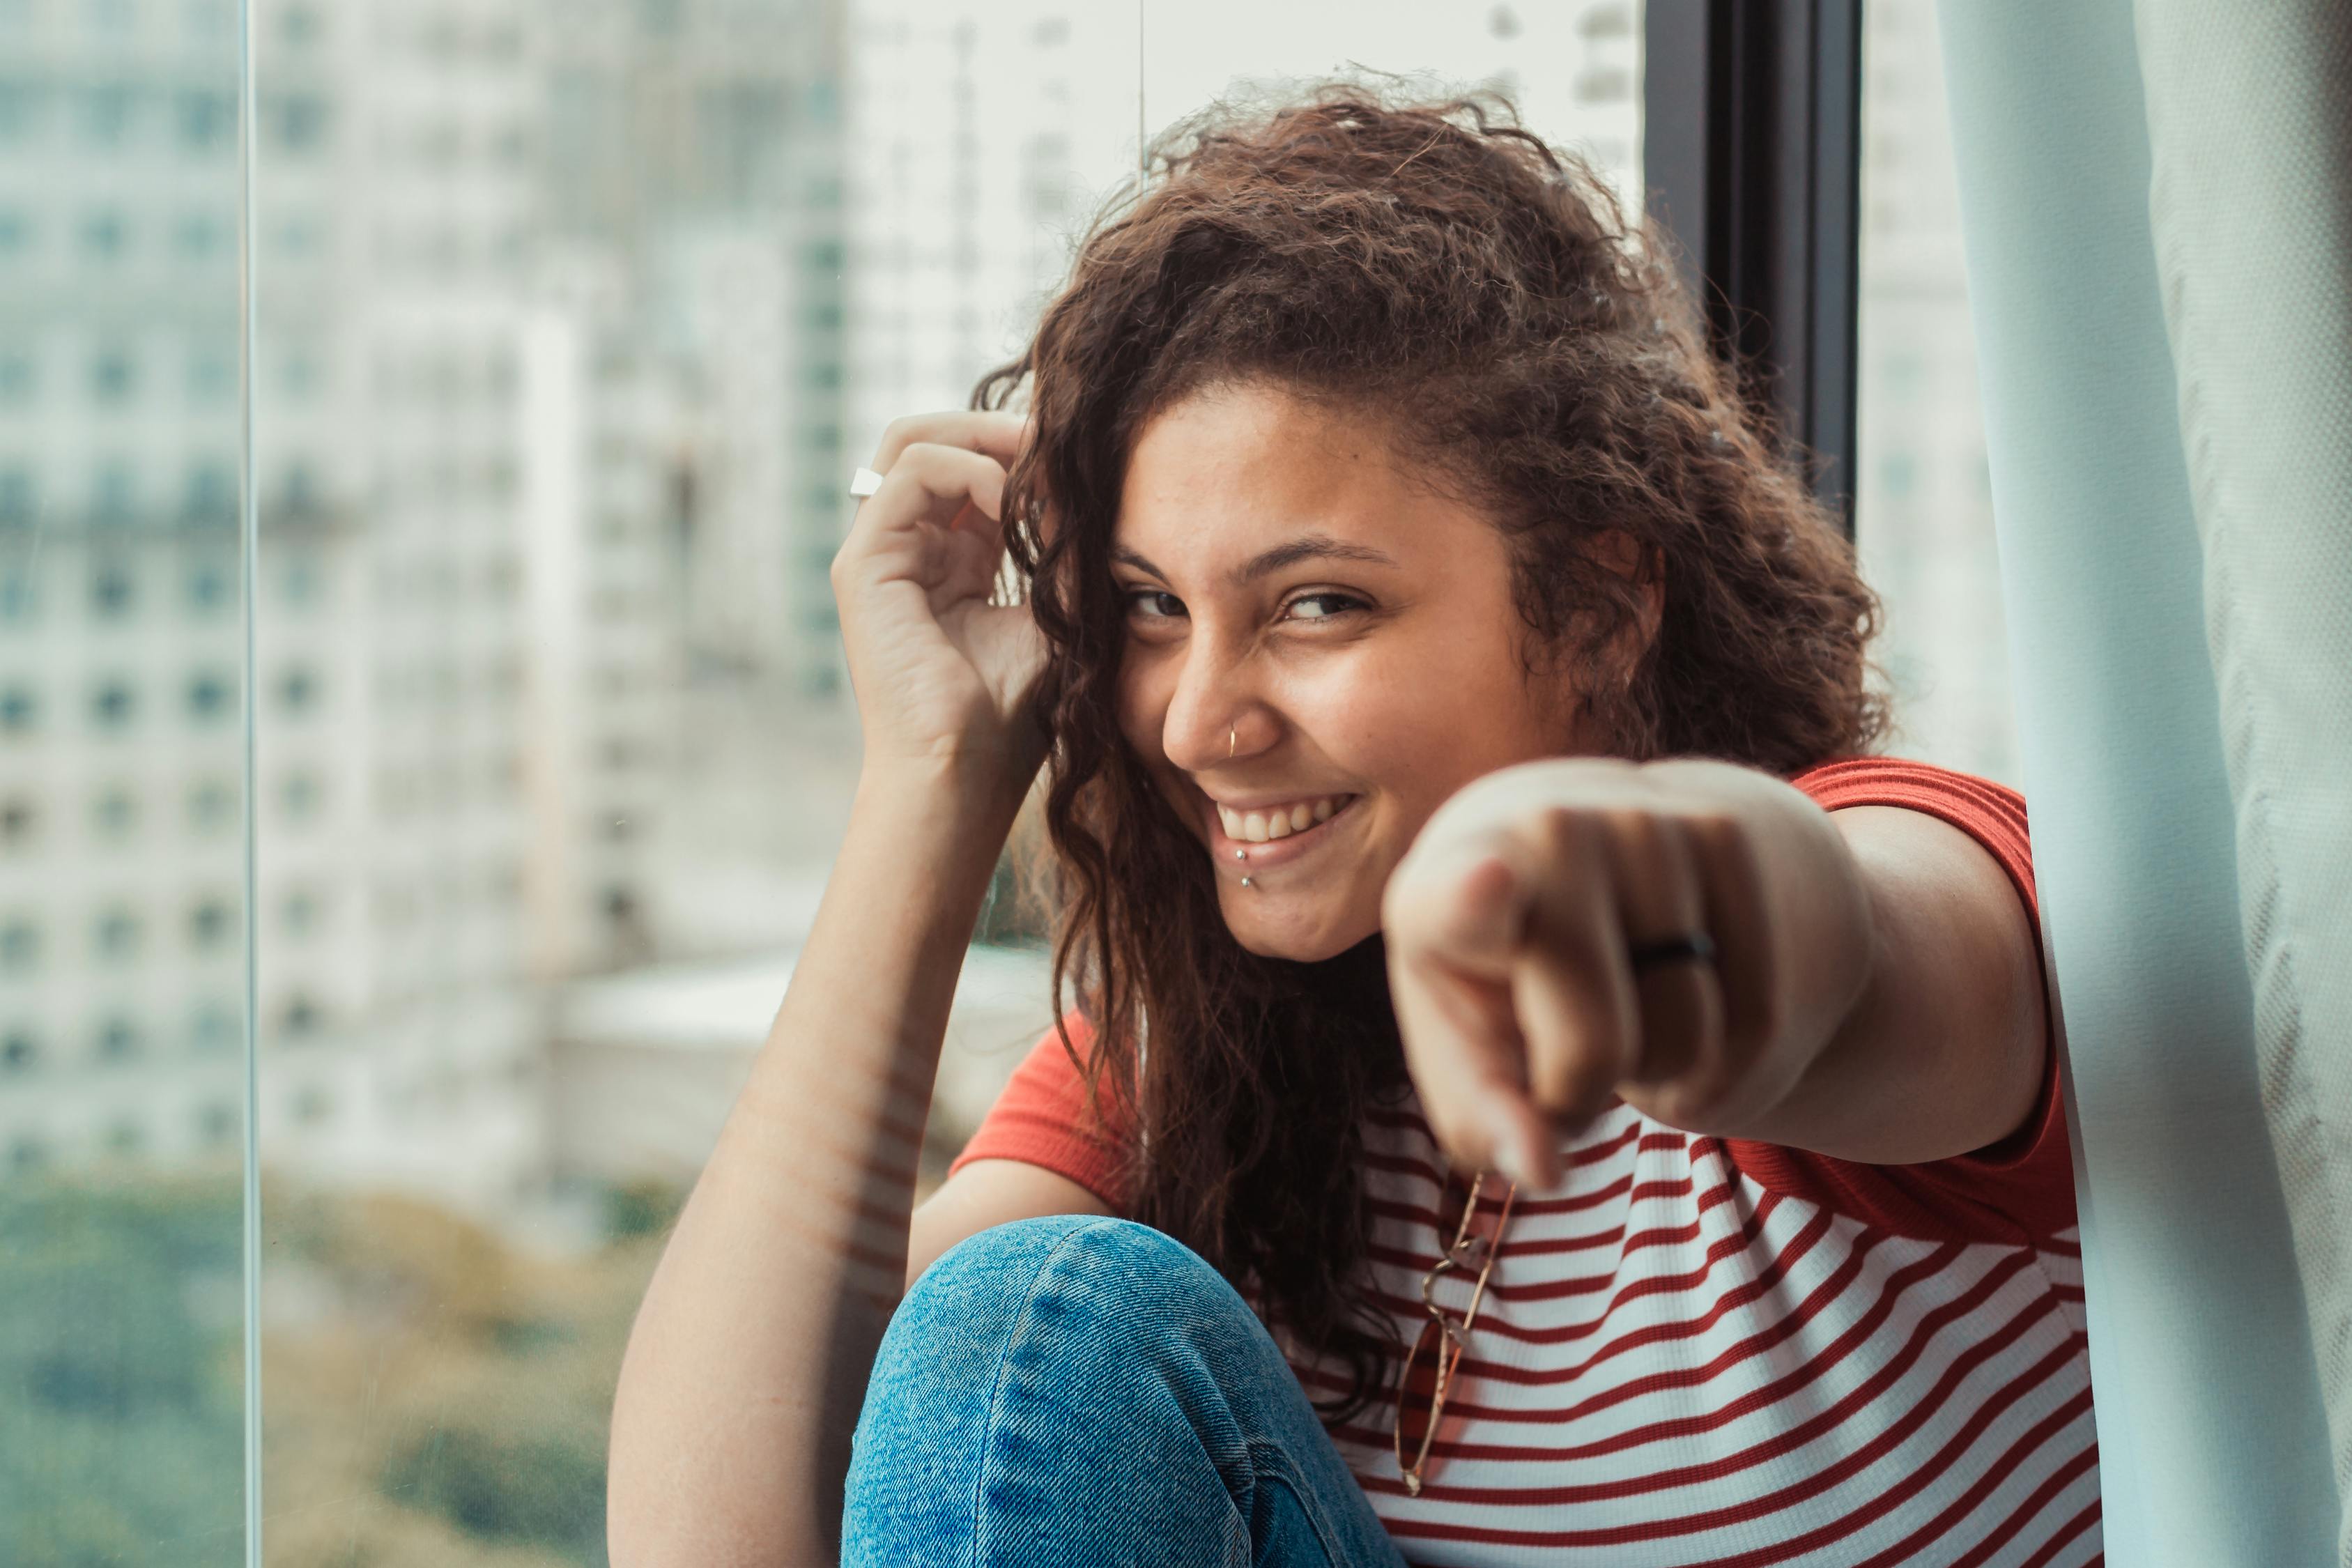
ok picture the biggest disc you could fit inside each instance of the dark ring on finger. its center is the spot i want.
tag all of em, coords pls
(1697, 945)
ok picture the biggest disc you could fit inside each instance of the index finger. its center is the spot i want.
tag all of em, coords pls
(992, 432)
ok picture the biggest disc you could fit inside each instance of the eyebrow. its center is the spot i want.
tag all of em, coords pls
(1306, 547)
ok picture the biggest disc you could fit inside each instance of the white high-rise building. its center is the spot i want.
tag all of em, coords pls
(1923, 513)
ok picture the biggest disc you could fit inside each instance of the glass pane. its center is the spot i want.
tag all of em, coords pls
(1572, 67)
(1924, 507)
(121, 850)
(574, 320)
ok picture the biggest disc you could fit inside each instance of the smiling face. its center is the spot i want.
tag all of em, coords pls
(1349, 635)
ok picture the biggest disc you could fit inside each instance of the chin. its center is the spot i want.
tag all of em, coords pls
(1307, 937)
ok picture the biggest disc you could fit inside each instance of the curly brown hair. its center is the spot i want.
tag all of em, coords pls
(1432, 264)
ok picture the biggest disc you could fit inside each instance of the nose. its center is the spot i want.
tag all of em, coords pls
(1215, 716)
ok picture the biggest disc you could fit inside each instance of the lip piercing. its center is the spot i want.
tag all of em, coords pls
(1232, 739)
(1245, 881)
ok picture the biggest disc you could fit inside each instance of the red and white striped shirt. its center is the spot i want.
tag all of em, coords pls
(1705, 1351)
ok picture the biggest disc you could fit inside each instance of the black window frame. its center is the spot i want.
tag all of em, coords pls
(1751, 133)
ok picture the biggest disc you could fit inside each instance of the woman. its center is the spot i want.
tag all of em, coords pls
(1538, 1089)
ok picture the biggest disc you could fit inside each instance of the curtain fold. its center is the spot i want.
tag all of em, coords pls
(2213, 1444)
(2249, 130)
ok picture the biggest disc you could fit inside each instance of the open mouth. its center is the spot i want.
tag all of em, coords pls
(1239, 831)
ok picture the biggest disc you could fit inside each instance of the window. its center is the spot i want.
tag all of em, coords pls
(212, 806)
(212, 585)
(210, 924)
(17, 376)
(114, 495)
(1923, 518)
(117, 1041)
(20, 943)
(20, 819)
(19, 1051)
(113, 375)
(115, 937)
(113, 702)
(17, 507)
(105, 236)
(207, 120)
(114, 813)
(112, 589)
(213, 1028)
(298, 691)
(212, 697)
(19, 708)
(107, 110)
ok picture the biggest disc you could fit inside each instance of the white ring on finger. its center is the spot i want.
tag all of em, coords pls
(864, 483)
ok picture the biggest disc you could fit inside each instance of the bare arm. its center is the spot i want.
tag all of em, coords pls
(748, 1362)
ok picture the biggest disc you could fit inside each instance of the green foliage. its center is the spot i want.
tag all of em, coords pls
(448, 1406)
(542, 1485)
(120, 1408)
(641, 1207)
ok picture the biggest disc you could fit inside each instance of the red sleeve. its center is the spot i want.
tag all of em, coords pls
(1041, 1119)
(2025, 1183)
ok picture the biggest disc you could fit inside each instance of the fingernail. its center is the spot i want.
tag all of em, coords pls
(1509, 1160)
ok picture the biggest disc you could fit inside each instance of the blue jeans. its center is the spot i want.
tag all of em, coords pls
(1077, 1390)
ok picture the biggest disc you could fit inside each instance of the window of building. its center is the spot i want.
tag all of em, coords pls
(116, 936)
(301, 912)
(105, 236)
(300, 794)
(20, 109)
(113, 588)
(113, 702)
(212, 1029)
(18, 375)
(20, 598)
(300, 122)
(216, 1124)
(301, 1019)
(212, 582)
(20, 819)
(114, 374)
(212, 697)
(212, 806)
(108, 112)
(117, 1041)
(20, 709)
(313, 1105)
(17, 504)
(26, 1155)
(114, 812)
(114, 494)
(124, 1140)
(200, 237)
(20, 943)
(297, 690)
(211, 380)
(19, 1051)
(207, 120)
(211, 922)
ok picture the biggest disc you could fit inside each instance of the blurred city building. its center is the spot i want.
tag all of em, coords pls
(573, 317)
(1923, 496)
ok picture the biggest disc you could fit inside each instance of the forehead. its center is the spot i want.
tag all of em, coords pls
(1229, 470)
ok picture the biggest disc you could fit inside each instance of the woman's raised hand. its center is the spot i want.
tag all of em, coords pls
(943, 676)
(1510, 927)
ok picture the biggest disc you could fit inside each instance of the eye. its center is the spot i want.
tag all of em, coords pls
(1135, 603)
(1326, 596)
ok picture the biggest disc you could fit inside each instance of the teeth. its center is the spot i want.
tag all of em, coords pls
(1281, 822)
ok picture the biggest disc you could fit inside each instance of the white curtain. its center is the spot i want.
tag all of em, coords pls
(2158, 208)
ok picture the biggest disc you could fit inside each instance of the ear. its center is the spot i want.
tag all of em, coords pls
(1622, 554)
